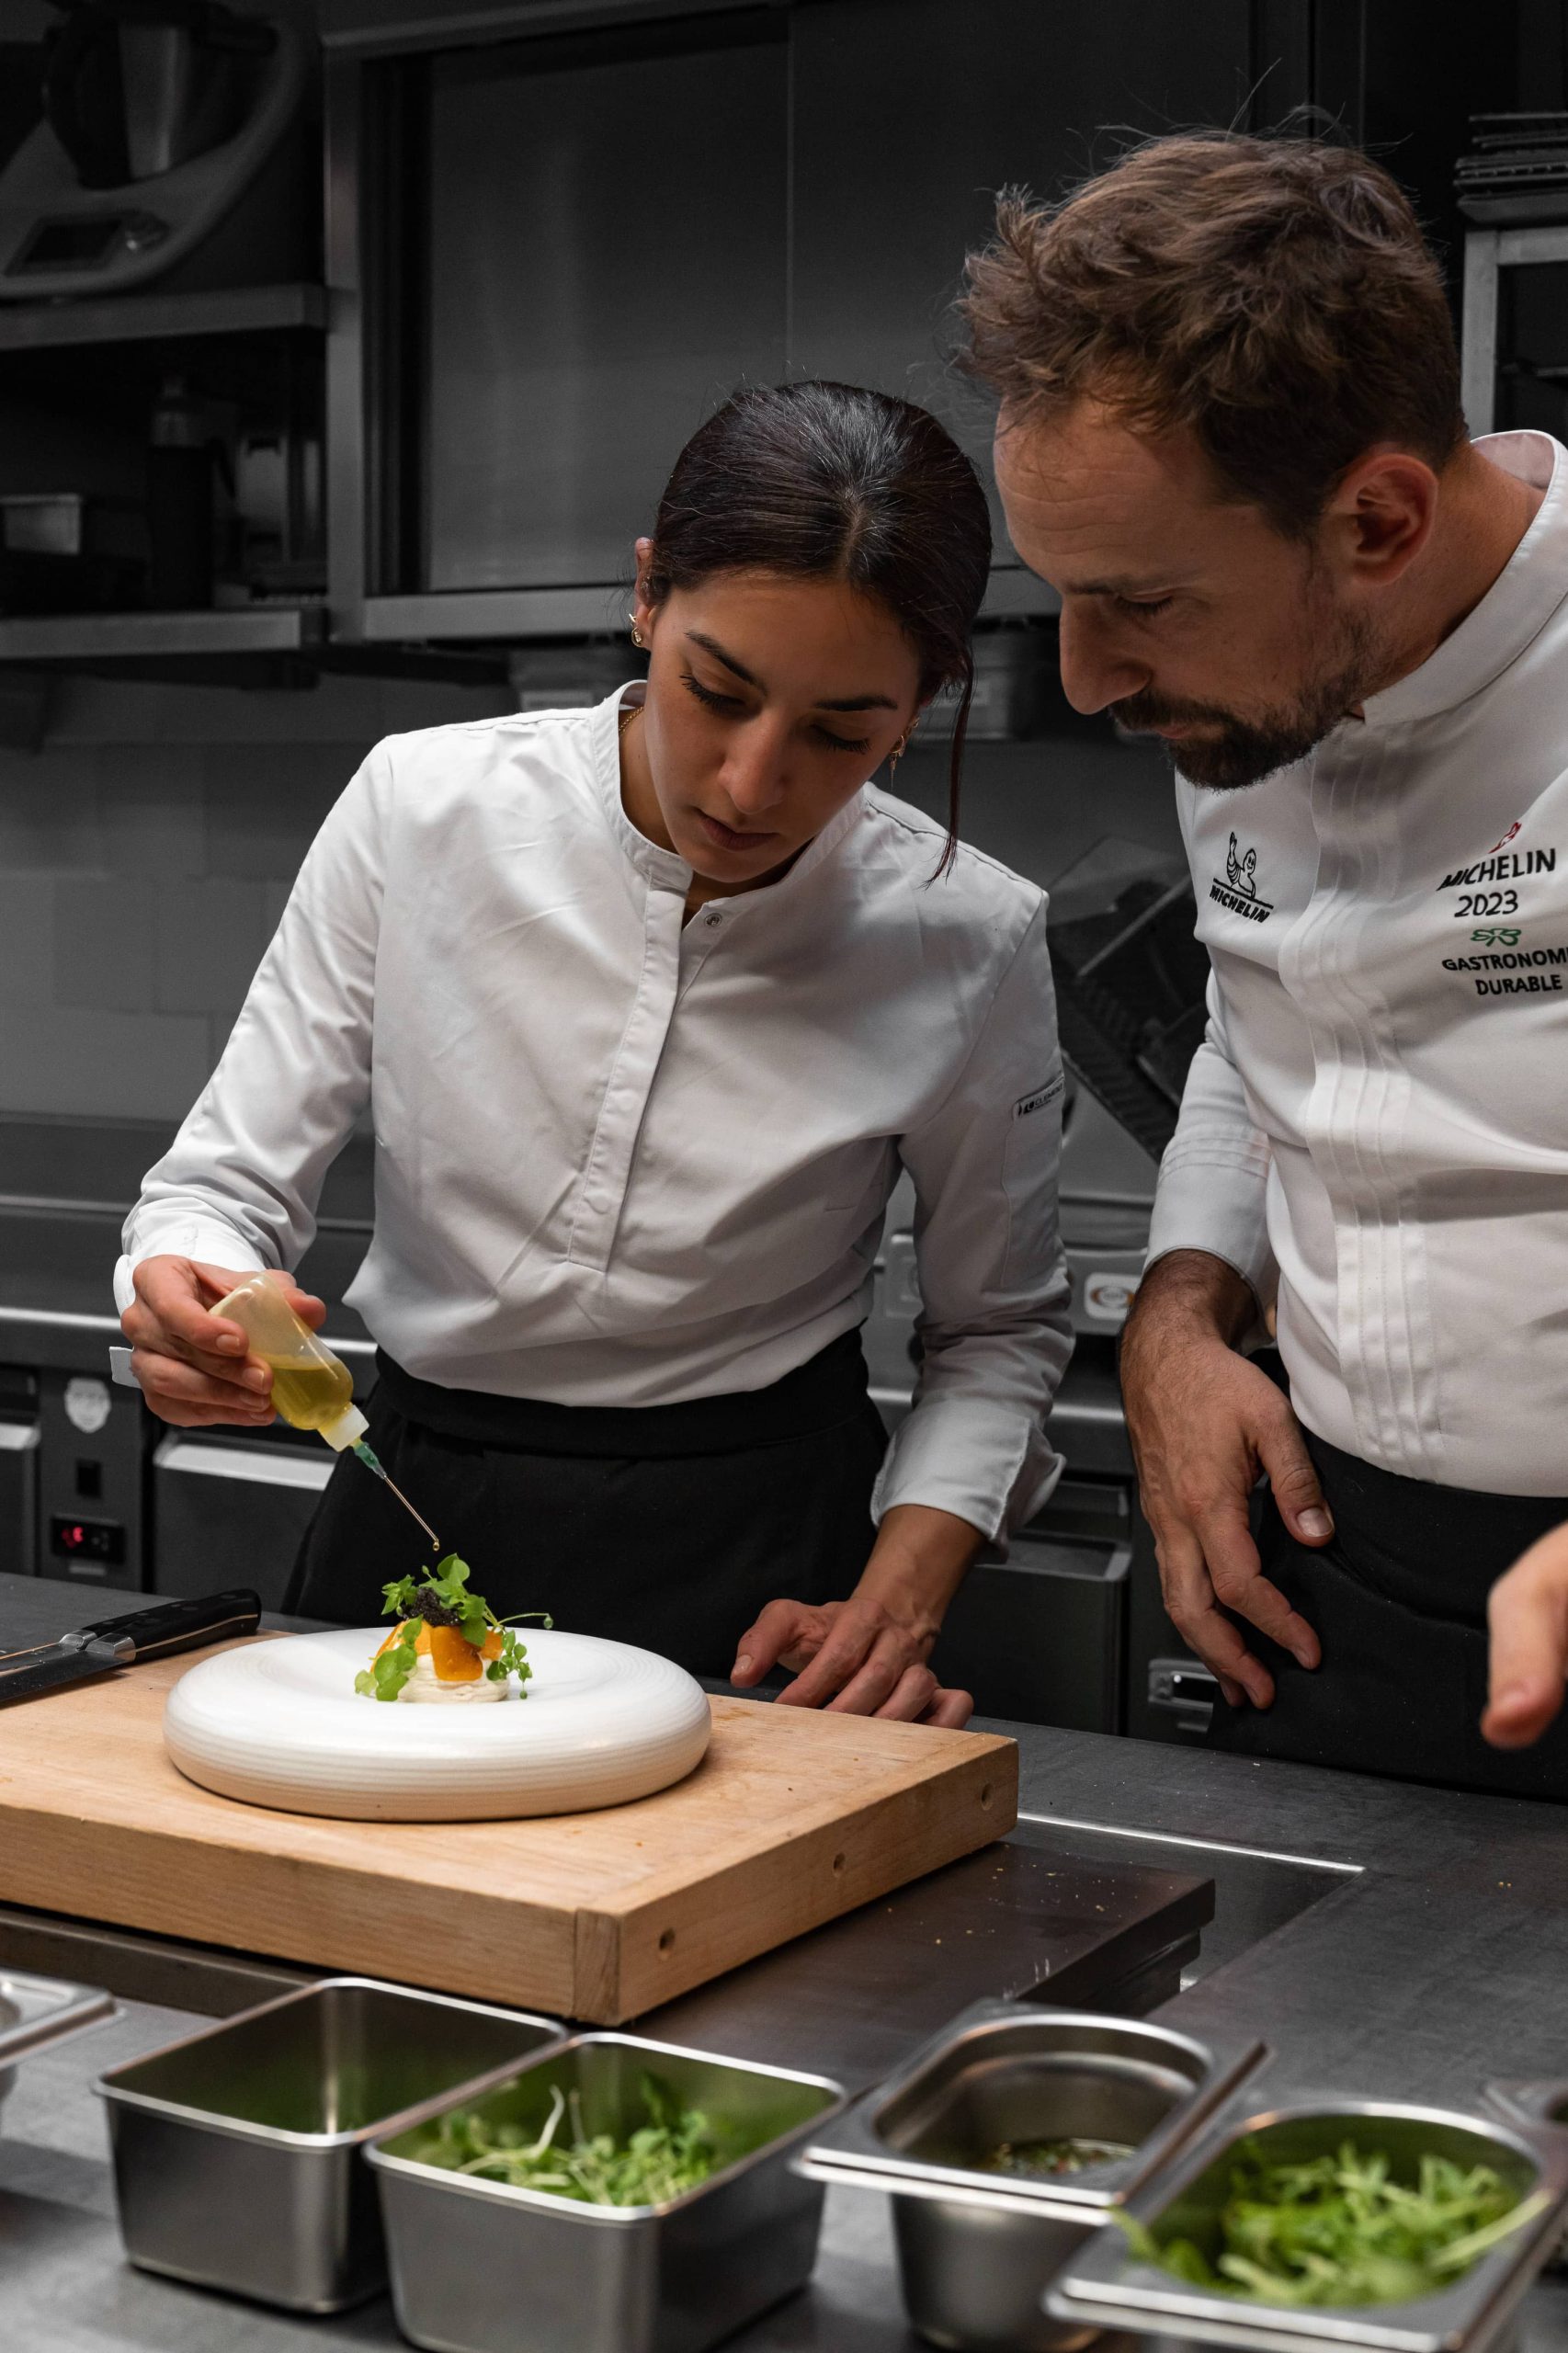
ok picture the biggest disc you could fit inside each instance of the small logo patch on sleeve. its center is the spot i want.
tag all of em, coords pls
(1039, 1098)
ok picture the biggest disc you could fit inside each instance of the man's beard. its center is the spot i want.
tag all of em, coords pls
(1242, 752)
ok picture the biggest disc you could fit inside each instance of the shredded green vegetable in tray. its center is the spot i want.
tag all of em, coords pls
(1070, 2153)
(1340, 2229)
(674, 2151)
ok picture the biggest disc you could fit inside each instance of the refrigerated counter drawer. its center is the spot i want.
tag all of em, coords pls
(228, 1514)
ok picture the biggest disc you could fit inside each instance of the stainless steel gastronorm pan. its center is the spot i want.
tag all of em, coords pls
(38, 2010)
(478, 2266)
(238, 2152)
(1541, 2101)
(1106, 2286)
(977, 2248)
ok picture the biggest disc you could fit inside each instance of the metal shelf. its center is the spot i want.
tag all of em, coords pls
(534, 613)
(496, 613)
(97, 637)
(152, 318)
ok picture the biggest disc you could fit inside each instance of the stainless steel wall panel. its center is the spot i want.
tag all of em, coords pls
(606, 260)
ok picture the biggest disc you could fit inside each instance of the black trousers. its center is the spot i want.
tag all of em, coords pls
(1397, 1600)
(666, 1525)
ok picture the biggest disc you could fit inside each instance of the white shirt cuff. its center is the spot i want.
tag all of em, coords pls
(962, 1455)
(1213, 1204)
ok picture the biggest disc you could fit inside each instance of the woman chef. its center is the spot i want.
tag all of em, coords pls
(650, 1003)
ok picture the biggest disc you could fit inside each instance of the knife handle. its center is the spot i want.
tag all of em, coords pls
(176, 1625)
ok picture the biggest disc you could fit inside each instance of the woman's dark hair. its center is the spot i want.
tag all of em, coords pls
(830, 481)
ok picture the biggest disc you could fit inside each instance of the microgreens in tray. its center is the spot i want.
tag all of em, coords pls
(1340, 2229)
(441, 1598)
(676, 2150)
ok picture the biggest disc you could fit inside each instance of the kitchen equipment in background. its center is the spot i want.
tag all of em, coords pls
(978, 2246)
(1108, 2286)
(184, 453)
(1516, 169)
(664, 2278)
(243, 1504)
(92, 1651)
(278, 528)
(37, 2011)
(1130, 982)
(1017, 689)
(93, 1445)
(19, 1436)
(160, 116)
(64, 552)
(569, 678)
(239, 2152)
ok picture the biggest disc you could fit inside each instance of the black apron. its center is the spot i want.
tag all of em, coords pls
(668, 1526)
(1397, 1600)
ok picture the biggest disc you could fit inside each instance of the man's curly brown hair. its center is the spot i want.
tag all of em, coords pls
(1275, 297)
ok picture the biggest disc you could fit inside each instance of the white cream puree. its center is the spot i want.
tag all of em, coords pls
(425, 1688)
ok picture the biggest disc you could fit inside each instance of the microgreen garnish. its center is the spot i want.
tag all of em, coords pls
(677, 2149)
(1340, 2229)
(440, 1597)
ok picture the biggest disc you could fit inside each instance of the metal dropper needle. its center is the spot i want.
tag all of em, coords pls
(368, 1459)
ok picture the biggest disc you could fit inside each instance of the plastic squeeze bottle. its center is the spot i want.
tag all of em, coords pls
(312, 1389)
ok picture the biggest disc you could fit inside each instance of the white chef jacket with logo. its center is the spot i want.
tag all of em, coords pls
(1375, 1130)
(623, 1163)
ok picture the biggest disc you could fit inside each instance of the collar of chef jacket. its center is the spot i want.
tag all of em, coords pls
(1525, 594)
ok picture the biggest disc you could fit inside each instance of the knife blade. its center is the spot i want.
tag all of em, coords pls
(90, 1651)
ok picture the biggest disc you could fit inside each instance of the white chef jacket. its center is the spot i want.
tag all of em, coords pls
(619, 1162)
(1375, 1130)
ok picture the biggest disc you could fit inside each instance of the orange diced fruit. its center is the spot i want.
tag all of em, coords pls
(454, 1659)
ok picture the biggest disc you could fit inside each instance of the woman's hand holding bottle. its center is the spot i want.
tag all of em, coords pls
(196, 1368)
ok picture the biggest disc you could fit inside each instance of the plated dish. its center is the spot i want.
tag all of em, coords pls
(448, 1646)
(282, 1724)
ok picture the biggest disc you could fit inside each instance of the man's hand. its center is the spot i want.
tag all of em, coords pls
(1205, 1424)
(195, 1368)
(866, 1656)
(1527, 1615)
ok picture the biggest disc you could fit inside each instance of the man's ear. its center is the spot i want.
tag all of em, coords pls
(1381, 516)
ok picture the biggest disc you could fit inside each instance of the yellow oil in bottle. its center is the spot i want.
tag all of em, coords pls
(307, 1395)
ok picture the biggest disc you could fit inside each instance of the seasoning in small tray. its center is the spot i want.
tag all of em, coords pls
(1042, 2160)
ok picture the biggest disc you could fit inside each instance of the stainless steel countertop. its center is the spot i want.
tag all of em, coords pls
(1431, 1960)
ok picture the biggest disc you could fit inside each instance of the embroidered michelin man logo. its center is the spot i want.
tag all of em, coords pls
(1242, 872)
(1238, 891)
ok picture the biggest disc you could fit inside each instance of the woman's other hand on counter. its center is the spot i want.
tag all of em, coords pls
(866, 1656)
(194, 1367)
(1527, 1615)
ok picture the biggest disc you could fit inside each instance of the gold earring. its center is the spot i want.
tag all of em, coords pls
(637, 637)
(898, 751)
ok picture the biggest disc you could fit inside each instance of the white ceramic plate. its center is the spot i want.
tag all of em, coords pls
(279, 1723)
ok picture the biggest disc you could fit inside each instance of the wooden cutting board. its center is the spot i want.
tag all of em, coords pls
(793, 1818)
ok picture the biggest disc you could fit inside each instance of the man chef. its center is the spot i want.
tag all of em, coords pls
(1231, 438)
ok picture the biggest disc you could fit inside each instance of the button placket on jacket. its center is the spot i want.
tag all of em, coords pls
(601, 1195)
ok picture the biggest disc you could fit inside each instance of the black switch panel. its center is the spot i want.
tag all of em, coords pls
(92, 1461)
(101, 1541)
